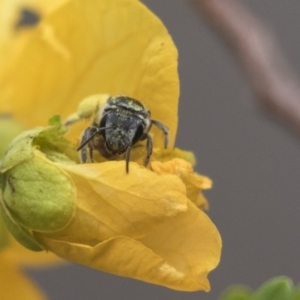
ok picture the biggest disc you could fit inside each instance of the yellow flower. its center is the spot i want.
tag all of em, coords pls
(144, 224)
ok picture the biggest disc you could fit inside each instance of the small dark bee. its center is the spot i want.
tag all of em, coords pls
(122, 122)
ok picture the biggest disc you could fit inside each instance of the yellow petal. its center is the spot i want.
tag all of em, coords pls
(189, 242)
(178, 254)
(111, 202)
(164, 155)
(115, 47)
(194, 182)
(14, 285)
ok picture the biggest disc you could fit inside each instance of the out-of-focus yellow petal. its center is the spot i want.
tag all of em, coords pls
(194, 182)
(178, 254)
(90, 47)
(9, 129)
(44, 7)
(16, 254)
(18, 20)
(111, 202)
(14, 285)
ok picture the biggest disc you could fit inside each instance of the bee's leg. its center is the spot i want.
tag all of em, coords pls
(164, 129)
(84, 155)
(91, 151)
(149, 147)
(127, 158)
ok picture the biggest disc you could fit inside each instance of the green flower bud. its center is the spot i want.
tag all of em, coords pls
(37, 195)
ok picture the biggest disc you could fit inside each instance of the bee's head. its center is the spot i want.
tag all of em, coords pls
(122, 130)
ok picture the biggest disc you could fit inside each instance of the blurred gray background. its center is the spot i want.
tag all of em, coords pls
(254, 162)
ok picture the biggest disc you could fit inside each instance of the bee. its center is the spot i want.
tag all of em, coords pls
(120, 123)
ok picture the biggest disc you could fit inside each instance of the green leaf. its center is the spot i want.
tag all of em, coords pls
(296, 293)
(279, 288)
(237, 292)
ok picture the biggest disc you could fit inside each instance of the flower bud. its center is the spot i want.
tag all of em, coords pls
(36, 194)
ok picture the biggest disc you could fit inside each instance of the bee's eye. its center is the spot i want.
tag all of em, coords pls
(139, 133)
(103, 121)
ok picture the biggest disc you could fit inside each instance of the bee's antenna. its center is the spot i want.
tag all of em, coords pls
(90, 137)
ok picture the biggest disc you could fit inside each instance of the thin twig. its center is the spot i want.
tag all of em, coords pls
(275, 84)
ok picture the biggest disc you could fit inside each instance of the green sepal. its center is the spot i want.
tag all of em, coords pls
(52, 143)
(3, 234)
(237, 292)
(49, 140)
(19, 150)
(39, 195)
(22, 235)
(279, 288)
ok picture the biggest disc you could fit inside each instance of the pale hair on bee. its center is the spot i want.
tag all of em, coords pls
(119, 123)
